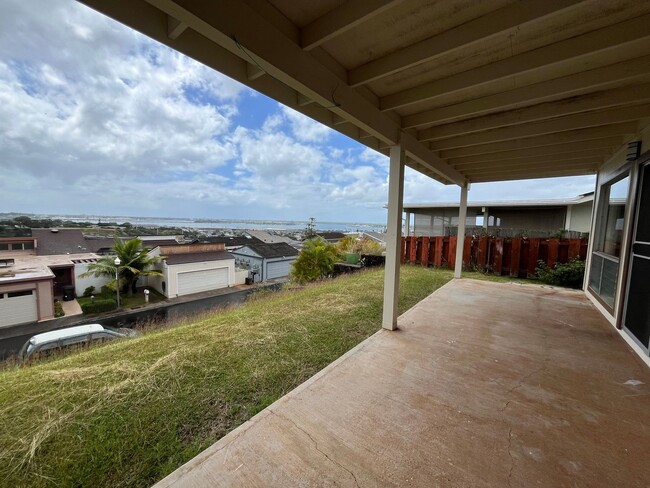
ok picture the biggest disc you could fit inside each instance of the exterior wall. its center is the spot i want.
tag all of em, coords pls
(82, 283)
(581, 217)
(240, 276)
(172, 271)
(433, 222)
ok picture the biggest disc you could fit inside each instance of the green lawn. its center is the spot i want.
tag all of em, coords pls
(128, 413)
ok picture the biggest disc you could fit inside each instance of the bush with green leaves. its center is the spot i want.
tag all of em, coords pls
(99, 305)
(89, 291)
(315, 261)
(569, 274)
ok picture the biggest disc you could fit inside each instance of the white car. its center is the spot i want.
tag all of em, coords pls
(72, 336)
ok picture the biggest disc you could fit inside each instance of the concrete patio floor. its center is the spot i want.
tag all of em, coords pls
(485, 384)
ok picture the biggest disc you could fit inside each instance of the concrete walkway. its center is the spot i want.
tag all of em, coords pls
(485, 385)
(71, 308)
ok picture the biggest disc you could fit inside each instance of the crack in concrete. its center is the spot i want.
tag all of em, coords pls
(356, 482)
(512, 459)
(520, 383)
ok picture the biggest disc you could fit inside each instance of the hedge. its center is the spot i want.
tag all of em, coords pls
(99, 305)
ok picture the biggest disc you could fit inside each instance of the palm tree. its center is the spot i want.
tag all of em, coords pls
(134, 263)
(315, 261)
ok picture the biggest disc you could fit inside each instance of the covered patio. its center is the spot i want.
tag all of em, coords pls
(483, 384)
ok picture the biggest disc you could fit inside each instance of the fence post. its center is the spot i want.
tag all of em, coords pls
(515, 256)
(424, 253)
(553, 249)
(451, 252)
(437, 258)
(498, 256)
(533, 255)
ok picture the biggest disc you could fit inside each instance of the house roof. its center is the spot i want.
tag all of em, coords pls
(560, 202)
(275, 250)
(230, 240)
(67, 241)
(198, 257)
(486, 90)
(267, 237)
(331, 235)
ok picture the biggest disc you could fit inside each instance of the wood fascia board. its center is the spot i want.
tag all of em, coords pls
(566, 148)
(561, 51)
(532, 158)
(341, 19)
(593, 133)
(595, 101)
(550, 126)
(458, 37)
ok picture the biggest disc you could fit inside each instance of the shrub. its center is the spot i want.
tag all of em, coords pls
(315, 261)
(58, 309)
(107, 291)
(570, 274)
(89, 291)
(99, 306)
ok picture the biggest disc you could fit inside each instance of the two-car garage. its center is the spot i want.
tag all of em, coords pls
(186, 273)
(196, 281)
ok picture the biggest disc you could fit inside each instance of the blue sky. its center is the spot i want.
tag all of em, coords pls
(98, 119)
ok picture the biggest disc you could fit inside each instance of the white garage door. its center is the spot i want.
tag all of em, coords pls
(278, 269)
(202, 280)
(17, 307)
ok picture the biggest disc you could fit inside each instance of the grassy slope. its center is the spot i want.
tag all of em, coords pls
(129, 413)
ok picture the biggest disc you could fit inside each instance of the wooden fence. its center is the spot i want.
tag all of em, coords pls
(515, 256)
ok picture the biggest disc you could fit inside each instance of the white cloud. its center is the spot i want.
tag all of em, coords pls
(305, 129)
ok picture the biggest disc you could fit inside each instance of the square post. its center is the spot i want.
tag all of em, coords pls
(460, 235)
(393, 237)
(407, 225)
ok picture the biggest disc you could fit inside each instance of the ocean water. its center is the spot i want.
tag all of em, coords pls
(190, 223)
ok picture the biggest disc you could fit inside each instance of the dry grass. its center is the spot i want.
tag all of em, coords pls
(130, 412)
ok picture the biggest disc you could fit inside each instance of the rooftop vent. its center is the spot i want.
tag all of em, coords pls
(54, 231)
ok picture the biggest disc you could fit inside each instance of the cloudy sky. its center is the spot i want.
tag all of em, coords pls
(98, 119)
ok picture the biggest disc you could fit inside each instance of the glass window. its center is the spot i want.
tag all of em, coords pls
(14, 294)
(28, 245)
(612, 218)
(4, 247)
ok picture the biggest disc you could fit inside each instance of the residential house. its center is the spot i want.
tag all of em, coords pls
(231, 242)
(267, 261)
(269, 238)
(535, 218)
(193, 268)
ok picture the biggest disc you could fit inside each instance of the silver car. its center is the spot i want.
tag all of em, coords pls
(70, 337)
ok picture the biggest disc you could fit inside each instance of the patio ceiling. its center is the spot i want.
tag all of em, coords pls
(474, 90)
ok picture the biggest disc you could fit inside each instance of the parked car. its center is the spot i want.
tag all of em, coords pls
(70, 337)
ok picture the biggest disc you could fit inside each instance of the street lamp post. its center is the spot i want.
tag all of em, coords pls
(117, 279)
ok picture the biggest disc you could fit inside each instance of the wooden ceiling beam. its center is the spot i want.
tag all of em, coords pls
(563, 51)
(532, 174)
(591, 133)
(600, 144)
(549, 164)
(341, 19)
(534, 158)
(625, 72)
(595, 101)
(465, 34)
(550, 126)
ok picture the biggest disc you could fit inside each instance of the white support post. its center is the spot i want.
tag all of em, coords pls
(460, 235)
(486, 216)
(407, 224)
(393, 237)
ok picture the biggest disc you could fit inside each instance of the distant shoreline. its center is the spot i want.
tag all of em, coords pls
(211, 224)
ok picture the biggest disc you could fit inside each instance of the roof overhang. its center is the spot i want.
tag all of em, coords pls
(478, 91)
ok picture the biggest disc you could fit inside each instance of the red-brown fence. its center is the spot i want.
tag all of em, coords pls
(515, 256)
